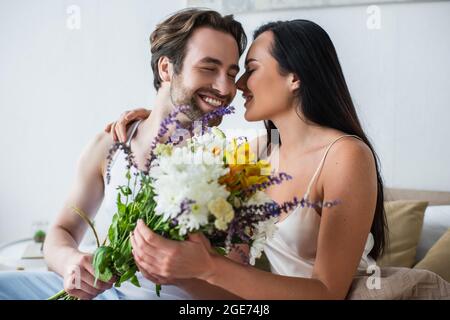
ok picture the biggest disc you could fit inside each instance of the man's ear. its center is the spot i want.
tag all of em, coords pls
(294, 82)
(165, 69)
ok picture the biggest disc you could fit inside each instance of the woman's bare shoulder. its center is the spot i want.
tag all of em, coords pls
(349, 158)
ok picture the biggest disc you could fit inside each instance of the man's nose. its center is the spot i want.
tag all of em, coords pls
(225, 86)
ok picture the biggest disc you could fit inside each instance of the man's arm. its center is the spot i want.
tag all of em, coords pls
(61, 246)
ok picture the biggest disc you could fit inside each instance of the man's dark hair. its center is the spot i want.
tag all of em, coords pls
(171, 36)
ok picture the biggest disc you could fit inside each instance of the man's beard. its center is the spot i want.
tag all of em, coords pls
(181, 96)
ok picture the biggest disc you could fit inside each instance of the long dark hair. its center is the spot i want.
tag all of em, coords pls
(303, 48)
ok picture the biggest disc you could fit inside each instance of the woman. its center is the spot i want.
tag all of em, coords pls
(294, 82)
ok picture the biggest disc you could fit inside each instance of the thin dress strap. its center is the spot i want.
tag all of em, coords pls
(308, 191)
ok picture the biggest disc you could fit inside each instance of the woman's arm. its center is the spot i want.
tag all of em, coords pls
(350, 177)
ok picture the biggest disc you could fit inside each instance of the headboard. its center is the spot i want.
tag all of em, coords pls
(435, 198)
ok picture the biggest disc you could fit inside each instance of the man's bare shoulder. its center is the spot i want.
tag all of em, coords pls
(94, 156)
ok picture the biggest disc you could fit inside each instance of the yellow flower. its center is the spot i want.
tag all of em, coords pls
(163, 149)
(220, 224)
(221, 209)
(245, 171)
(216, 151)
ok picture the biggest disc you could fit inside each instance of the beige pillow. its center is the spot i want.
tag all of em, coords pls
(404, 219)
(437, 258)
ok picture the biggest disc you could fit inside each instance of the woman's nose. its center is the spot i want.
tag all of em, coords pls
(241, 84)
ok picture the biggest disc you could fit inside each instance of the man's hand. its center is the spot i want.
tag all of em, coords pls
(79, 278)
(118, 129)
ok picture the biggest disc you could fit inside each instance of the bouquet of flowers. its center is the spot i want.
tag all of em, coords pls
(219, 191)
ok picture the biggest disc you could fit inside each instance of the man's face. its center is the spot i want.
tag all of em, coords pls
(207, 78)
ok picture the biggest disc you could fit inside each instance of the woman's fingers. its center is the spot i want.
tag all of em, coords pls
(121, 130)
(199, 237)
(121, 126)
(118, 129)
(140, 248)
(153, 278)
(152, 238)
(143, 235)
(140, 113)
(113, 132)
(147, 270)
(142, 263)
(108, 127)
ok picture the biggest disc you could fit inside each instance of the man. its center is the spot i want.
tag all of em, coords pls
(195, 56)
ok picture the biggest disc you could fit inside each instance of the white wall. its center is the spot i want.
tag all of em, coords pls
(58, 87)
(399, 77)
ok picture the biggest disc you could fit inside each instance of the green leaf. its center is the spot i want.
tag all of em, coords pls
(101, 263)
(158, 290)
(220, 250)
(134, 280)
(113, 232)
(122, 208)
(106, 275)
(127, 275)
(126, 191)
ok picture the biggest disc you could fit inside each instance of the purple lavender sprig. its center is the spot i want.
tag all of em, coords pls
(273, 209)
(129, 158)
(252, 214)
(185, 207)
(219, 112)
(169, 120)
(273, 179)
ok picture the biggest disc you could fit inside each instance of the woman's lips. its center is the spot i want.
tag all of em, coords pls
(248, 99)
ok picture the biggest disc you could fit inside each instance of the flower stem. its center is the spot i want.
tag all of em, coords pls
(59, 295)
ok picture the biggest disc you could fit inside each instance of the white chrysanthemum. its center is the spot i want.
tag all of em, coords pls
(211, 142)
(186, 174)
(256, 250)
(263, 230)
(260, 197)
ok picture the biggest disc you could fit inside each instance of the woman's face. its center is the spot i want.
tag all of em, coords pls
(266, 91)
